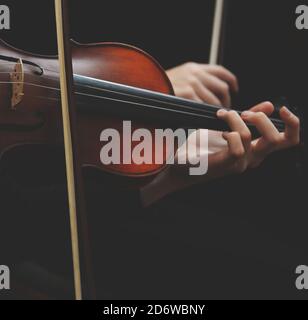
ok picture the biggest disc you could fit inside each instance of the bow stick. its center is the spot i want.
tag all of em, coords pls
(82, 268)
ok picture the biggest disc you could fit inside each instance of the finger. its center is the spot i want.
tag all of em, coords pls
(218, 87)
(225, 75)
(270, 136)
(205, 94)
(236, 123)
(264, 125)
(292, 126)
(224, 160)
(265, 107)
(236, 150)
(188, 94)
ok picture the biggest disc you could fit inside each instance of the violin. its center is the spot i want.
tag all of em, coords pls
(112, 81)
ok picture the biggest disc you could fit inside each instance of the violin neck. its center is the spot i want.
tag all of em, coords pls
(95, 95)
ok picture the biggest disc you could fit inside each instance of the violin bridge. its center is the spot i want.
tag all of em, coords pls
(17, 79)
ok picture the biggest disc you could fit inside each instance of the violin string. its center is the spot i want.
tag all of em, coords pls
(84, 94)
(116, 92)
(182, 111)
(116, 100)
(104, 98)
(30, 84)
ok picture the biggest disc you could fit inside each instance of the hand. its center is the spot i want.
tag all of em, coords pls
(240, 151)
(204, 83)
(229, 152)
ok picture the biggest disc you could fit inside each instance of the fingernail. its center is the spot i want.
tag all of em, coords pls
(221, 112)
(246, 114)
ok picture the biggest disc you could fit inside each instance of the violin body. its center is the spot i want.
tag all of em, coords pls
(34, 88)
